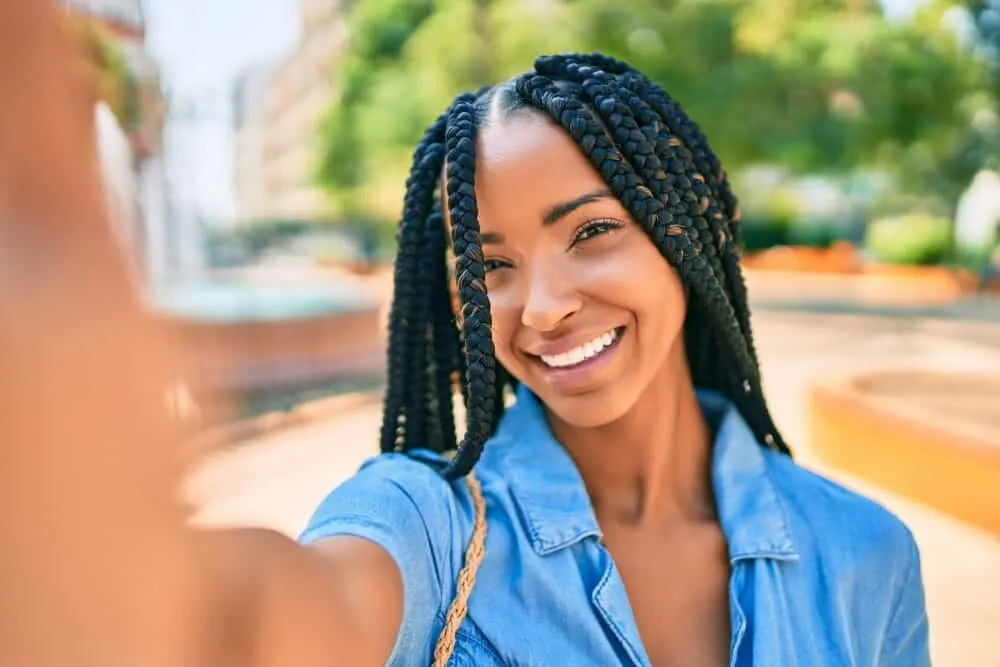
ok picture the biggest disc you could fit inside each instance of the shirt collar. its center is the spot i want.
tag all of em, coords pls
(748, 501)
(556, 510)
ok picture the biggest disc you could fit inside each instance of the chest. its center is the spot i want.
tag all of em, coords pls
(677, 586)
(635, 602)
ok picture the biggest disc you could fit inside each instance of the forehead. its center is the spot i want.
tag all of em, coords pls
(528, 156)
(524, 166)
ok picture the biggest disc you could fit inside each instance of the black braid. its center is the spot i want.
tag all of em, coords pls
(655, 160)
(480, 378)
(707, 164)
(419, 347)
(406, 332)
(447, 347)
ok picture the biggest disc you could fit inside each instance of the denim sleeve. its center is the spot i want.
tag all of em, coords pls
(398, 504)
(907, 637)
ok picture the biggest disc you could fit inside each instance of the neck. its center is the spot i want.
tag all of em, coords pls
(654, 463)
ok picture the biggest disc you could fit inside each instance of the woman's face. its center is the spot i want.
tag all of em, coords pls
(585, 309)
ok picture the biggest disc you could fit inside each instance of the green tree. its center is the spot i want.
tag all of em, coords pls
(103, 69)
(379, 31)
(815, 85)
(943, 159)
(985, 16)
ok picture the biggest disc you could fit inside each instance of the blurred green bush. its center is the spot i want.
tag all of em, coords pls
(760, 233)
(918, 239)
(816, 233)
(777, 218)
(767, 217)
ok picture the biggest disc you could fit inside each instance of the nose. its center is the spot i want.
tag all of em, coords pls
(551, 297)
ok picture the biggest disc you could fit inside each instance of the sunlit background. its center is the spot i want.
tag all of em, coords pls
(255, 153)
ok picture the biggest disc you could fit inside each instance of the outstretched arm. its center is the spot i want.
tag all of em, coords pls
(277, 603)
(97, 565)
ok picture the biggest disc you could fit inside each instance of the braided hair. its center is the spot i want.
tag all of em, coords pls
(654, 159)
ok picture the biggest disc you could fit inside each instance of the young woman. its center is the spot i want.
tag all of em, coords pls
(640, 505)
(634, 505)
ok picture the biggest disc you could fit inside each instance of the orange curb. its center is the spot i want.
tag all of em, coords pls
(955, 469)
(876, 284)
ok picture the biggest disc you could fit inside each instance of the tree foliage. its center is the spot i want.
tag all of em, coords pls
(985, 15)
(102, 68)
(814, 85)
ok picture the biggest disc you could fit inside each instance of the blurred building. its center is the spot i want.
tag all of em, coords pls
(251, 194)
(147, 231)
(977, 220)
(278, 113)
(124, 18)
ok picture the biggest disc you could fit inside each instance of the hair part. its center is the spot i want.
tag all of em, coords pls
(654, 159)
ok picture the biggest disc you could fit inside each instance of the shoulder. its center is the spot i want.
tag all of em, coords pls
(405, 493)
(862, 556)
(839, 524)
(402, 505)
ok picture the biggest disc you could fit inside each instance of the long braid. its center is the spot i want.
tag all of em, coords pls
(729, 237)
(480, 377)
(446, 343)
(405, 330)
(420, 348)
(708, 164)
(422, 426)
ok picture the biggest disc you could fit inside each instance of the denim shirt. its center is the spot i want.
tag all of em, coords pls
(820, 575)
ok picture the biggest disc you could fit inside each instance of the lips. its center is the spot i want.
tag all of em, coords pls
(571, 367)
(581, 353)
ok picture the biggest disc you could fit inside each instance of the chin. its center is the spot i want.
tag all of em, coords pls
(588, 411)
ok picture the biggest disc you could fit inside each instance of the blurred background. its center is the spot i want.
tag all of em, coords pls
(255, 153)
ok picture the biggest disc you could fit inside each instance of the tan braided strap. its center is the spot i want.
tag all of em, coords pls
(474, 553)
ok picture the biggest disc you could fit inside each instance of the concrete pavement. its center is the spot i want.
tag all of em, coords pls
(276, 481)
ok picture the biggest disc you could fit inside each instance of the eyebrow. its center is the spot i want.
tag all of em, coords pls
(560, 211)
(557, 212)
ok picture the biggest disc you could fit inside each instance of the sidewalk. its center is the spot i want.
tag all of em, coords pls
(277, 480)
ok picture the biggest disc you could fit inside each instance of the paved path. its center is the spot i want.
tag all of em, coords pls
(278, 480)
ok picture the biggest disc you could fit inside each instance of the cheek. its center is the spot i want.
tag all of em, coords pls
(664, 307)
(506, 319)
(638, 279)
(642, 282)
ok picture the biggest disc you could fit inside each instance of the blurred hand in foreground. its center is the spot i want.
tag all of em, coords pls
(97, 567)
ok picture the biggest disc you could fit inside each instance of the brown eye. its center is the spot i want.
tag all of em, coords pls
(595, 228)
(491, 264)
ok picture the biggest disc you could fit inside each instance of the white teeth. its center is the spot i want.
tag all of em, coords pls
(579, 354)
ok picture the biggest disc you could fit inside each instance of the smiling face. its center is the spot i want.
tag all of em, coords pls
(586, 311)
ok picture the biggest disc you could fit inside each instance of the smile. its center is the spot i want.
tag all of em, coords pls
(583, 353)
